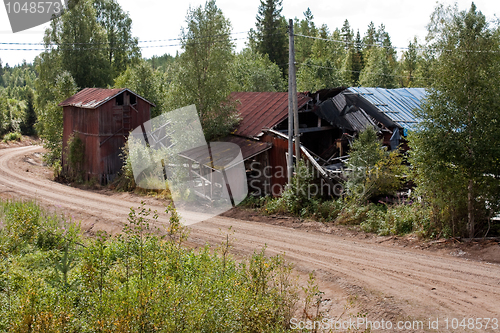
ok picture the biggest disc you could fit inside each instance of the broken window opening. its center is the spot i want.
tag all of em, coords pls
(119, 99)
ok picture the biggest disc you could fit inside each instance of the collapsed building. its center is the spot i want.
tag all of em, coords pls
(329, 120)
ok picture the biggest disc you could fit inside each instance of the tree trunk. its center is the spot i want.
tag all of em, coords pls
(470, 208)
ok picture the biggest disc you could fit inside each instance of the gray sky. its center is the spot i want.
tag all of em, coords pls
(162, 20)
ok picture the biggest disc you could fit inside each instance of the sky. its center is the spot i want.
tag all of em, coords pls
(162, 20)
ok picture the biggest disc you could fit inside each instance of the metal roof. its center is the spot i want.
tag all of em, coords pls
(220, 156)
(336, 111)
(397, 104)
(260, 110)
(92, 98)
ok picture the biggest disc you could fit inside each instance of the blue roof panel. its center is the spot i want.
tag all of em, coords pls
(397, 104)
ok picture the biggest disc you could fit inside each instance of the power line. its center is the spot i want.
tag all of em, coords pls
(420, 48)
(140, 41)
(357, 72)
(64, 47)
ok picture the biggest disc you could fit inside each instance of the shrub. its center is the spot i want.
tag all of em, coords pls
(138, 281)
(13, 136)
(374, 170)
(76, 157)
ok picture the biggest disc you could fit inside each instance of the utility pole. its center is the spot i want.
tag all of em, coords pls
(289, 162)
(292, 106)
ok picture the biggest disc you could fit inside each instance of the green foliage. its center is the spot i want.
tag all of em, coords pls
(147, 82)
(455, 150)
(123, 49)
(270, 35)
(12, 136)
(398, 219)
(11, 113)
(76, 157)
(161, 63)
(28, 122)
(201, 76)
(374, 170)
(253, 71)
(299, 199)
(94, 41)
(315, 74)
(137, 282)
(50, 115)
(378, 71)
(81, 39)
(306, 27)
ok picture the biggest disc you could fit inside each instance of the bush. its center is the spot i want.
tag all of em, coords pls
(399, 219)
(13, 136)
(135, 282)
(76, 158)
(374, 170)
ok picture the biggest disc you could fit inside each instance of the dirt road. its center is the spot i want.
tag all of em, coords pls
(384, 281)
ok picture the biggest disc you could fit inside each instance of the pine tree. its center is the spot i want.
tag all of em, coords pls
(409, 62)
(306, 27)
(347, 35)
(320, 47)
(270, 35)
(29, 119)
(370, 38)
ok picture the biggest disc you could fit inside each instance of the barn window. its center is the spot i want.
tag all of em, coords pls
(119, 99)
(133, 99)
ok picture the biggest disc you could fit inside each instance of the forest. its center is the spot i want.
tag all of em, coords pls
(454, 158)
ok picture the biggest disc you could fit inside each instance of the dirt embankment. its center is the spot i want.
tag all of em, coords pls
(385, 278)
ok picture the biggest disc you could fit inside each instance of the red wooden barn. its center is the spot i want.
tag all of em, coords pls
(102, 119)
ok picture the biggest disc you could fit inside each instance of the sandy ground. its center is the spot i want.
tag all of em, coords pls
(383, 278)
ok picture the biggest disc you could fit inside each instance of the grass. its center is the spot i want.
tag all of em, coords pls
(52, 279)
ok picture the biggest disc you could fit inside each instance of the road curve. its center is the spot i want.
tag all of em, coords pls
(391, 282)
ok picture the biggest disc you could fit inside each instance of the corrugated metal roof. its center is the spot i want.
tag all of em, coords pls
(92, 98)
(334, 111)
(397, 104)
(260, 110)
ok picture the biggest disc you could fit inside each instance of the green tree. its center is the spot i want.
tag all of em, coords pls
(377, 72)
(122, 48)
(29, 118)
(455, 151)
(315, 74)
(82, 45)
(347, 35)
(1, 73)
(161, 62)
(306, 27)
(320, 46)
(202, 75)
(11, 113)
(253, 71)
(270, 35)
(409, 63)
(374, 170)
(147, 82)
(93, 41)
(352, 63)
(370, 38)
(52, 116)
